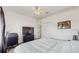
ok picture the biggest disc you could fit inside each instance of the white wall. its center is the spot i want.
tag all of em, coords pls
(49, 25)
(15, 22)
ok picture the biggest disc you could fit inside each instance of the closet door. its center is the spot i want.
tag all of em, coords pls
(2, 30)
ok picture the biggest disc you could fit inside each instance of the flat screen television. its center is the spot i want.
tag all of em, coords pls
(28, 30)
(28, 34)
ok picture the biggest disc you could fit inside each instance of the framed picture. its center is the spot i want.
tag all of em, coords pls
(64, 25)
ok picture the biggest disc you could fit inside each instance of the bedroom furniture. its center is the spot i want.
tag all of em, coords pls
(28, 34)
(28, 37)
(45, 45)
(76, 37)
(11, 40)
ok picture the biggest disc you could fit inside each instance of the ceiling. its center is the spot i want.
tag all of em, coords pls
(47, 10)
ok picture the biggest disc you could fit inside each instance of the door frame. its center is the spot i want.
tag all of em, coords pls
(3, 32)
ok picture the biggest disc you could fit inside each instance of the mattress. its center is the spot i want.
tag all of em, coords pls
(48, 46)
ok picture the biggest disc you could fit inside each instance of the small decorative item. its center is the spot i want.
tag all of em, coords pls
(64, 25)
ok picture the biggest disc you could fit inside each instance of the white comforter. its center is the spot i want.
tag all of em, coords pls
(48, 46)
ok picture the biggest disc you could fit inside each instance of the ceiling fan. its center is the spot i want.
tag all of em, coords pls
(37, 10)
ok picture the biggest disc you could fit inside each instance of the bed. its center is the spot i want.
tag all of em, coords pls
(45, 45)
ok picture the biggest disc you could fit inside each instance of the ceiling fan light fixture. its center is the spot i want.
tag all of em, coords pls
(37, 10)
